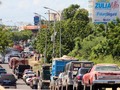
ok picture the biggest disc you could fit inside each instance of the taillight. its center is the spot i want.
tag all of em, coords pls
(78, 77)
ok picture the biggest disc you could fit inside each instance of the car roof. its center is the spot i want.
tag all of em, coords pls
(3, 68)
(106, 64)
(7, 74)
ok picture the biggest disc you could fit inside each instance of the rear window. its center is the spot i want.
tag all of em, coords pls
(107, 68)
(76, 66)
(2, 70)
(87, 65)
(84, 71)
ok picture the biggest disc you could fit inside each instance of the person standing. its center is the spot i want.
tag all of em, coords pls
(38, 56)
(35, 56)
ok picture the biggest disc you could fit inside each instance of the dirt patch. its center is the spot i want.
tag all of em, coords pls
(34, 64)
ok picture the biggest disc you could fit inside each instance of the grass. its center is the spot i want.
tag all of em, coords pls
(34, 64)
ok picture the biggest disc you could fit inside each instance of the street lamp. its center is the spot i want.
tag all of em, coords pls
(45, 58)
(60, 27)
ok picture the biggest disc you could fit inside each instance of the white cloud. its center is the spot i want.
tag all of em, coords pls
(24, 4)
(36, 2)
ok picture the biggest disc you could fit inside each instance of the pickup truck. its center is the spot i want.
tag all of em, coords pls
(44, 80)
(20, 69)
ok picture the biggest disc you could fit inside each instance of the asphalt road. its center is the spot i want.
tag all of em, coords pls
(21, 85)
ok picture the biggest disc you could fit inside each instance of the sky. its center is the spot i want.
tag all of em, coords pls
(20, 12)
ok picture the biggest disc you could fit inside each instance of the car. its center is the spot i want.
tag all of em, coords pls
(27, 74)
(13, 55)
(28, 79)
(3, 71)
(71, 70)
(27, 70)
(8, 80)
(78, 78)
(102, 76)
(26, 54)
(58, 82)
(34, 80)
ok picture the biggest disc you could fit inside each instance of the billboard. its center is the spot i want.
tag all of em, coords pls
(105, 10)
(36, 20)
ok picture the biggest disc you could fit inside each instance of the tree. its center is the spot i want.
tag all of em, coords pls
(5, 40)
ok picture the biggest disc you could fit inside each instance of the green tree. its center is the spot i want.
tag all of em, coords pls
(5, 40)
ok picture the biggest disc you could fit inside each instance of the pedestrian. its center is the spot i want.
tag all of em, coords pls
(38, 73)
(35, 56)
(38, 56)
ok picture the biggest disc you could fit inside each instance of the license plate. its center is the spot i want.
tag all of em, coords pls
(111, 82)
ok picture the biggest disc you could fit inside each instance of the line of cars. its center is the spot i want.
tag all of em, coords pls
(30, 78)
(98, 77)
(72, 75)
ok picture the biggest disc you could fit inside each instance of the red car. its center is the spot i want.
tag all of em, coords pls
(102, 76)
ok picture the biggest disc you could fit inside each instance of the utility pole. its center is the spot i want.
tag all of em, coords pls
(45, 52)
(60, 52)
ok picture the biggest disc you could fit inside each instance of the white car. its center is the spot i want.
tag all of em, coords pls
(27, 74)
(28, 80)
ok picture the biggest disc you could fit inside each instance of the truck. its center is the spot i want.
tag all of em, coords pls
(20, 69)
(12, 60)
(15, 61)
(44, 80)
(70, 72)
(58, 65)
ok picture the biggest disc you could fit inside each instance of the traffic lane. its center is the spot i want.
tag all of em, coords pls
(20, 83)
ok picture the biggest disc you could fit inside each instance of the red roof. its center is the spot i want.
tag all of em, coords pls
(30, 27)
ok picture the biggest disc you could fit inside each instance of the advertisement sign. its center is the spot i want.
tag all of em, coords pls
(106, 10)
(36, 20)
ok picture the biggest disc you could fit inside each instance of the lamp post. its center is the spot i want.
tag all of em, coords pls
(60, 26)
(45, 58)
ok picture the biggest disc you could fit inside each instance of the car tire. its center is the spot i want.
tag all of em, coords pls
(63, 88)
(114, 88)
(86, 87)
(93, 87)
(69, 87)
(74, 88)
(59, 88)
(15, 86)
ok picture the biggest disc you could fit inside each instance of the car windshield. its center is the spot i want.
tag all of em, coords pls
(107, 68)
(2, 70)
(30, 72)
(84, 71)
(7, 76)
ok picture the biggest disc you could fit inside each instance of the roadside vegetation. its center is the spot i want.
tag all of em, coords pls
(80, 37)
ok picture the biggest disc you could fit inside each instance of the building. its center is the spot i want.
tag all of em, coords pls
(104, 11)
